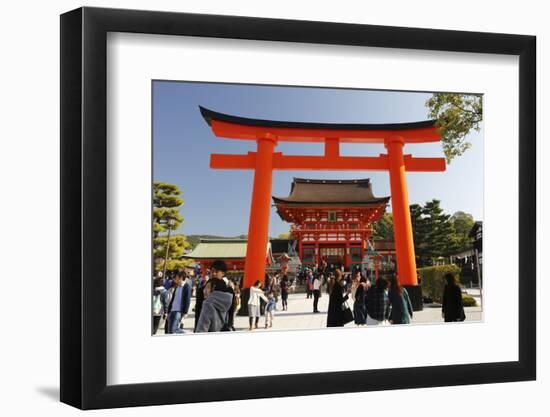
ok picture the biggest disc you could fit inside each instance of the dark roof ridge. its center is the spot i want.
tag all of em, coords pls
(331, 181)
(210, 115)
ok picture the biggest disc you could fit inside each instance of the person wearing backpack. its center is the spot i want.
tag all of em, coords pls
(160, 302)
(218, 301)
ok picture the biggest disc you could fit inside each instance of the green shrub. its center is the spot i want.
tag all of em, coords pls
(433, 281)
(468, 301)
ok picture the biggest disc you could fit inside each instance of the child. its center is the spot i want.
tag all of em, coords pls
(269, 308)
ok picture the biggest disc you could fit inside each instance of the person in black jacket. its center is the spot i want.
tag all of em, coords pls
(452, 308)
(359, 305)
(338, 294)
(199, 298)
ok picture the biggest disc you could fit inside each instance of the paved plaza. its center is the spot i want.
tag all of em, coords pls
(300, 315)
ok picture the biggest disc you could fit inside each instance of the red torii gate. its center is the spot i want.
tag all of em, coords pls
(267, 133)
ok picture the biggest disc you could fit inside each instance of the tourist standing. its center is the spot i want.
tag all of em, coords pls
(452, 308)
(179, 304)
(256, 294)
(309, 285)
(317, 281)
(377, 303)
(189, 282)
(161, 298)
(401, 307)
(199, 298)
(268, 282)
(217, 302)
(285, 286)
(236, 304)
(354, 285)
(336, 307)
(167, 280)
(169, 295)
(359, 306)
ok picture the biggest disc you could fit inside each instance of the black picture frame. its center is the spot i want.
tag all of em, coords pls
(84, 207)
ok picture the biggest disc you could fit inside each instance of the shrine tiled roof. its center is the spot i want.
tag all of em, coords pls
(221, 249)
(322, 191)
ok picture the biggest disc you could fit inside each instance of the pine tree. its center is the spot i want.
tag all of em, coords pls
(167, 218)
(440, 236)
(166, 203)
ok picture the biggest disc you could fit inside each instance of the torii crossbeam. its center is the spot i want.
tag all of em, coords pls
(267, 133)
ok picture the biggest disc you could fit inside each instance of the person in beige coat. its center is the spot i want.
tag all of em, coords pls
(256, 294)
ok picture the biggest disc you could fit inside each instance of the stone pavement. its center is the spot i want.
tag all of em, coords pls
(300, 316)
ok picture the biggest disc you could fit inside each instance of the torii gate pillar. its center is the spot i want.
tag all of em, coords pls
(402, 226)
(258, 224)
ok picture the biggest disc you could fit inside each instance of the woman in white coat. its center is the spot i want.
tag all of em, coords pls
(256, 294)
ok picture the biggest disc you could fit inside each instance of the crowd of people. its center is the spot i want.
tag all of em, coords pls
(217, 300)
(352, 298)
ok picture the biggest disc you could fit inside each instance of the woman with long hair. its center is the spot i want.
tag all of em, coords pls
(359, 305)
(338, 295)
(335, 277)
(452, 308)
(400, 303)
(377, 303)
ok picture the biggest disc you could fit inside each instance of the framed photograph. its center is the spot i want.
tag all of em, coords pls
(258, 207)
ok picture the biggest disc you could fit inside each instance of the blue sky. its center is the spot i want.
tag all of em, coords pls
(217, 202)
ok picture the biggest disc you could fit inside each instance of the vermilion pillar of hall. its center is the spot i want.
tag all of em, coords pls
(402, 225)
(258, 226)
(347, 257)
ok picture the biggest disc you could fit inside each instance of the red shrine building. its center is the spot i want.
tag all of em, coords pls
(332, 220)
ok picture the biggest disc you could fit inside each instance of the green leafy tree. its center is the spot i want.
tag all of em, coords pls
(167, 218)
(456, 115)
(383, 228)
(462, 224)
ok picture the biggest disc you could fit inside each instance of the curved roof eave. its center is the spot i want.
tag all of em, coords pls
(210, 115)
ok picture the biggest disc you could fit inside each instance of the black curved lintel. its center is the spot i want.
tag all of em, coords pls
(210, 115)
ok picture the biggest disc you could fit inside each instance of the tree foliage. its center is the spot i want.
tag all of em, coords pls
(383, 228)
(456, 115)
(435, 233)
(439, 239)
(462, 224)
(166, 203)
(167, 216)
(176, 248)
